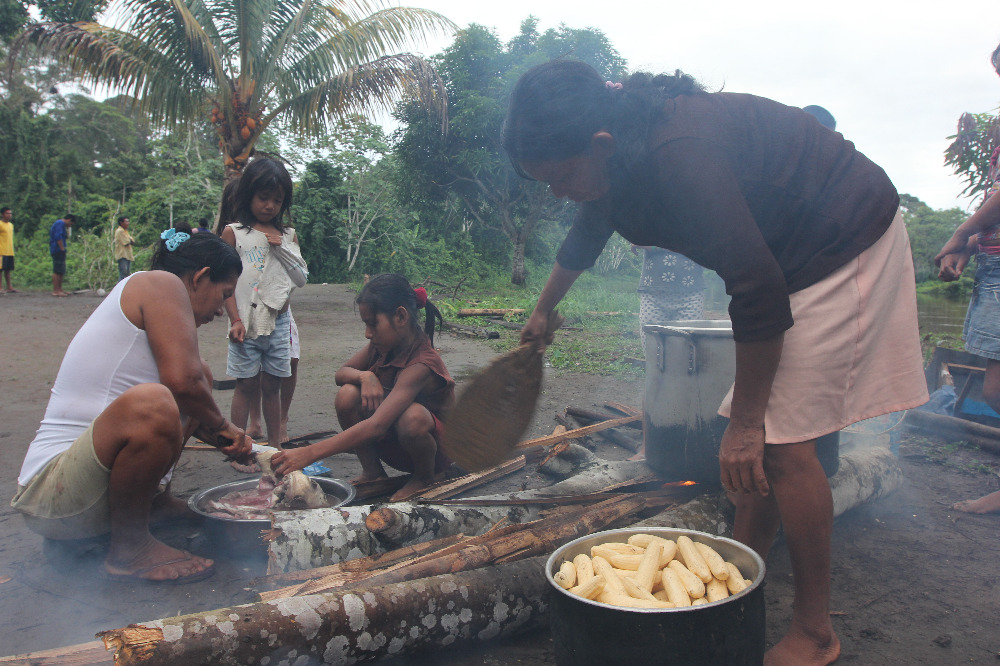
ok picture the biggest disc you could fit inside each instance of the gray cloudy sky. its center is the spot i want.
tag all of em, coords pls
(896, 74)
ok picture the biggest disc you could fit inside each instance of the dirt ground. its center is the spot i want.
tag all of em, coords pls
(914, 582)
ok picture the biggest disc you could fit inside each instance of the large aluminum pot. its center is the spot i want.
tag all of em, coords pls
(243, 537)
(729, 632)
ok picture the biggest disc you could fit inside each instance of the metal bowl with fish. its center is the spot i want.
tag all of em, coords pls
(242, 536)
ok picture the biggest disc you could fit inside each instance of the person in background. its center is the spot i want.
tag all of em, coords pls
(117, 420)
(58, 235)
(807, 235)
(824, 117)
(7, 248)
(123, 248)
(202, 227)
(979, 236)
(392, 392)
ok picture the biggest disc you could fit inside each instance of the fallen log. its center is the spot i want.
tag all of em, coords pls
(369, 563)
(472, 331)
(347, 627)
(489, 312)
(507, 544)
(320, 537)
(613, 436)
(627, 410)
(983, 436)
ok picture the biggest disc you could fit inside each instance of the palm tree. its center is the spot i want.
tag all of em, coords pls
(248, 63)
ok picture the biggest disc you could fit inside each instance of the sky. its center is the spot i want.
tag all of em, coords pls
(896, 75)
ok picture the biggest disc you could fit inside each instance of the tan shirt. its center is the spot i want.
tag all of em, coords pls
(123, 244)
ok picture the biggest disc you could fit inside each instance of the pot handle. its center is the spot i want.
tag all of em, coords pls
(661, 352)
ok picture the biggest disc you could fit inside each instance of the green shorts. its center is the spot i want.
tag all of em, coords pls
(68, 499)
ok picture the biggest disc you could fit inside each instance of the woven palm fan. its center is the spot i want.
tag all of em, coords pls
(492, 413)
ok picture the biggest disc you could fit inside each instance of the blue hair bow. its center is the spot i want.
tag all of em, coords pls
(174, 238)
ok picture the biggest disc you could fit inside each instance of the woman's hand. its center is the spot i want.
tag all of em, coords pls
(287, 461)
(237, 331)
(372, 393)
(240, 446)
(741, 459)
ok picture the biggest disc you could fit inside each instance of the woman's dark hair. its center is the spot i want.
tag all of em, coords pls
(122, 219)
(556, 108)
(197, 252)
(384, 293)
(262, 174)
(227, 206)
(183, 227)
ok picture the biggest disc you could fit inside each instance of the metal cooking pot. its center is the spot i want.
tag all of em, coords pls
(729, 632)
(243, 537)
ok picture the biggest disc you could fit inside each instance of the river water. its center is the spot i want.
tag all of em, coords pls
(936, 314)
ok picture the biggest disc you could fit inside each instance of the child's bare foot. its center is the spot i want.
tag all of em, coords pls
(255, 431)
(799, 649)
(412, 488)
(986, 504)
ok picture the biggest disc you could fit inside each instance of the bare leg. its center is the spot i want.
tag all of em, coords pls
(287, 392)
(270, 405)
(805, 505)
(414, 430)
(254, 429)
(991, 394)
(138, 437)
(243, 396)
(348, 406)
(756, 522)
(6, 275)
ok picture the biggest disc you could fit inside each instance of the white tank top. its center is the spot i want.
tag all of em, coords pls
(107, 356)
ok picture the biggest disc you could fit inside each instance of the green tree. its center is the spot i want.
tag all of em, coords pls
(928, 229)
(251, 63)
(466, 169)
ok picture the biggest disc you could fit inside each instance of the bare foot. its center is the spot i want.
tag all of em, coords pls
(986, 504)
(368, 478)
(255, 432)
(156, 561)
(412, 488)
(799, 649)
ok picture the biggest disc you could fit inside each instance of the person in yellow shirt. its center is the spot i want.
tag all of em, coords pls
(123, 248)
(6, 249)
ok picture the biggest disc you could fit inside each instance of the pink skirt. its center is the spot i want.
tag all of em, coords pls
(854, 351)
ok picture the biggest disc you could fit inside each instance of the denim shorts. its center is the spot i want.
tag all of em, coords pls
(982, 321)
(271, 353)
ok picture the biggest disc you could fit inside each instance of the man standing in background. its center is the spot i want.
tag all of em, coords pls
(6, 248)
(123, 248)
(58, 234)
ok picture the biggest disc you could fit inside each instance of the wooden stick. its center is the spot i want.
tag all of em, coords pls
(627, 410)
(487, 312)
(598, 416)
(504, 545)
(461, 484)
(369, 563)
(472, 331)
(576, 433)
(93, 652)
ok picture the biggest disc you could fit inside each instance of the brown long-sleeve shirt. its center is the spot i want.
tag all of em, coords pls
(757, 191)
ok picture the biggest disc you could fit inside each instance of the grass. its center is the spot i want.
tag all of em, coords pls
(599, 344)
(958, 455)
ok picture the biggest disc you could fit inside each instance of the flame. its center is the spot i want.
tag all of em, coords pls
(679, 483)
